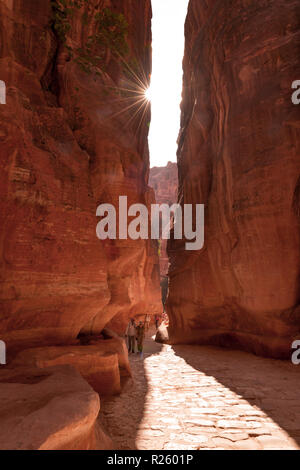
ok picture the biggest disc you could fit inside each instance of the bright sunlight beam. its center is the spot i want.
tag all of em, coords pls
(166, 81)
(148, 93)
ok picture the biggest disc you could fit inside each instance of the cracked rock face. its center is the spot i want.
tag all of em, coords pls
(239, 155)
(66, 146)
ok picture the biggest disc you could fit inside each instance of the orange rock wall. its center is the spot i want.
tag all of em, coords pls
(68, 144)
(49, 409)
(164, 181)
(239, 155)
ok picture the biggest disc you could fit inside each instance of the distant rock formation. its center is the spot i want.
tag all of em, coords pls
(239, 155)
(164, 181)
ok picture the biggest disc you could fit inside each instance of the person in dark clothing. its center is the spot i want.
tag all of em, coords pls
(131, 334)
(140, 336)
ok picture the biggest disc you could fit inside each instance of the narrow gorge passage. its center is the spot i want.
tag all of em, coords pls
(76, 81)
(199, 397)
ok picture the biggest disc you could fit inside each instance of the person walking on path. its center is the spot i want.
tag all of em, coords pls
(131, 334)
(156, 321)
(147, 322)
(140, 336)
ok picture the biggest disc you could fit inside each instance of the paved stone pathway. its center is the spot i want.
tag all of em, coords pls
(194, 397)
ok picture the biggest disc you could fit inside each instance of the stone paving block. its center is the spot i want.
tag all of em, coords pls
(174, 405)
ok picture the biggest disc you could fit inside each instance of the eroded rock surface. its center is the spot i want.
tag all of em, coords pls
(239, 155)
(49, 409)
(99, 368)
(164, 181)
(68, 144)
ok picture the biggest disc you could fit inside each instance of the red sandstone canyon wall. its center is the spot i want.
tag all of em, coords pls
(164, 181)
(68, 144)
(239, 155)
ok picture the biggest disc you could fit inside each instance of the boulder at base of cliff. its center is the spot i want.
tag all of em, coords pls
(162, 335)
(49, 409)
(97, 366)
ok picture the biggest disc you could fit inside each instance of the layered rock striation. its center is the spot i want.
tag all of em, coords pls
(73, 135)
(49, 409)
(164, 181)
(239, 155)
(71, 138)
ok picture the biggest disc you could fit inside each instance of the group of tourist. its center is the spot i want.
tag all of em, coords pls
(135, 333)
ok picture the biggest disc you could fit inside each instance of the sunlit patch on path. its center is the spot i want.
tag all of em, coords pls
(189, 397)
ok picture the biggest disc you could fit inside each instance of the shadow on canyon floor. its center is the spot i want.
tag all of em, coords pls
(270, 385)
(121, 416)
(189, 397)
